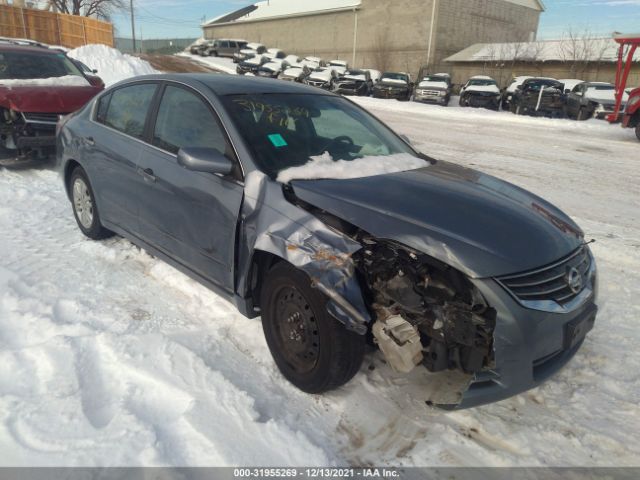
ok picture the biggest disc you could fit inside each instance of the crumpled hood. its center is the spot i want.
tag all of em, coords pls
(47, 99)
(474, 222)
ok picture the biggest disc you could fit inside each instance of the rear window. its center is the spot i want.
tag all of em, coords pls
(32, 65)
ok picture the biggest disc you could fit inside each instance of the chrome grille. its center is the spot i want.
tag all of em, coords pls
(433, 93)
(42, 117)
(552, 282)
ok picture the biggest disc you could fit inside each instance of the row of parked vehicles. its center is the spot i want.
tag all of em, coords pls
(540, 96)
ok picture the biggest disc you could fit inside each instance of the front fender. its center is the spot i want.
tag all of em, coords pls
(269, 223)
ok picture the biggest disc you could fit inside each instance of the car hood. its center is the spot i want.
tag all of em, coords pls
(47, 99)
(434, 85)
(482, 89)
(393, 83)
(324, 76)
(481, 225)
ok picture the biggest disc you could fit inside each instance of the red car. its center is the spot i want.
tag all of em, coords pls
(38, 85)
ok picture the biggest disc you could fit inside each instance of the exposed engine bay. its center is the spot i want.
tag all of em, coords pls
(426, 312)
(24, 136)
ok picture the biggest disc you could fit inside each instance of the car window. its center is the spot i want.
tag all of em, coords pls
(101, 110)
(184, 120)
(27, 65)
(233, 44)
(128, 108)
(224, 45)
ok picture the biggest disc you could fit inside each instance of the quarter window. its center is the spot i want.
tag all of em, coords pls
(184, 120)
(101, 111)
(128, 108)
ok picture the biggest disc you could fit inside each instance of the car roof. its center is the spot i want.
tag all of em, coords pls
(481, 77)
(9, 47)
(222, 84)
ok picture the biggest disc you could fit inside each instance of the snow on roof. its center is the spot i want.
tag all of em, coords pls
(269, 9)
(535, 4)
(592, 49)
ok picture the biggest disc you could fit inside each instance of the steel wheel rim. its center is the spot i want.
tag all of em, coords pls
(83, 203)
(296, 330)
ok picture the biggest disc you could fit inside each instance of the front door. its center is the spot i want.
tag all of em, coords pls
(191, 216)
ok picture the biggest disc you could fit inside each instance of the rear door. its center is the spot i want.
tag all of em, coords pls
(191, 216)
(113, 147)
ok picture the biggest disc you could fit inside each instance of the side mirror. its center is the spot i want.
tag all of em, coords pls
(406, 139)
(208, 160)
(94, 71)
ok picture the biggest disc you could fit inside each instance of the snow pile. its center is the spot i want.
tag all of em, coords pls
(66, 81)
(324, 167)
(112, 65)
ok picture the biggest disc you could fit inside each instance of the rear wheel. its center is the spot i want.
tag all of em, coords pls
(312, 349)
(84, 206)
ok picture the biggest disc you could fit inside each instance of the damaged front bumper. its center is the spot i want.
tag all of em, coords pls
(530, 346)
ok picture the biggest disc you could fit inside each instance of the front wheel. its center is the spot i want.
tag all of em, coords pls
(312, 349)
(84, 206)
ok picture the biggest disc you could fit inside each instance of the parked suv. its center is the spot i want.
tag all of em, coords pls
(593, 99)
(225, 48)
(38, 85)
(539, 97)
(434, 89)
(302, 208)
(354, 82)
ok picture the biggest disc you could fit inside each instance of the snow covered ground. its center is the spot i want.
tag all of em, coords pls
(110, 357)
(223, 64)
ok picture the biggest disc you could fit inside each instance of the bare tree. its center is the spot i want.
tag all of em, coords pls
(579, 49)
(88, 8)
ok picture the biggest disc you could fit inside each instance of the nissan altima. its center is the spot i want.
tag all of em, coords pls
(302, 208)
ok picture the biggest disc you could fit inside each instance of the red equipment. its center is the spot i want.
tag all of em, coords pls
(628, 47)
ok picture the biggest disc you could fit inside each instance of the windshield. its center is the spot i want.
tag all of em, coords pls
(536, 85)
(481, 82)
(395, 76)
(602, 88)
(435, 78)
(28, 65)
(286, 130)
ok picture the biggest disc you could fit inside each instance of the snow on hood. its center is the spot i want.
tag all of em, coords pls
(66, 81)
(603, 96)
(483, 88)
(324, 167)
(393, 80)
(254, 60)
(294, 72)
(354, 78)
(428, 84)
(274, 66)
(323, 75)
(112, 65)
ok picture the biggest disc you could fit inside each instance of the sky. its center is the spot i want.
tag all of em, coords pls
(182, 18)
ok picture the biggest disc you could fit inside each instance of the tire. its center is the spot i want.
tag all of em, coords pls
(638, 131)
(580, 115)
(324, 359)
(519, 110)
(84, 206)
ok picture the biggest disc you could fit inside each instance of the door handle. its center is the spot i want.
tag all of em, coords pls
(89, 141)
(147, 174)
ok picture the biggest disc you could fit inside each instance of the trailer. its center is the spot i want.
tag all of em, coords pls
(631, 116)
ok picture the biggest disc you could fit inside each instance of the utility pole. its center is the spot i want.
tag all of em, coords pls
(133, 27)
